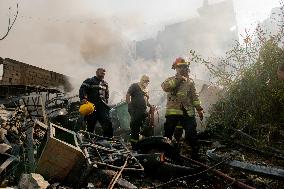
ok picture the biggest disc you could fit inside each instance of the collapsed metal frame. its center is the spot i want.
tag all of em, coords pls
(100, 156)
(35, 120)
(65, 106)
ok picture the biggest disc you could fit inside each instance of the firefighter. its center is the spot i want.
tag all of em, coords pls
(95, 90)
(137, 98)
(182, 100)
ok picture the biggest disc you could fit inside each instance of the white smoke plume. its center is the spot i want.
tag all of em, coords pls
(75, 38)
(77, 47)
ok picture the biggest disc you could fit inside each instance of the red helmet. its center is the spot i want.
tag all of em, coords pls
(178, 62)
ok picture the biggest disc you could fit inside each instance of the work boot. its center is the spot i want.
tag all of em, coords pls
(195, 152)
(178, 133)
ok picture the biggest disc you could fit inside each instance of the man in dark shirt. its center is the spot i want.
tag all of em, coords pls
(137, 98)
(95, 90)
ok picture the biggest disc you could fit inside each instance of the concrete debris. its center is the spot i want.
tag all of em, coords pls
(3, 133)
(4, 114)
(36, 138)
(32, 181)
(4, 147)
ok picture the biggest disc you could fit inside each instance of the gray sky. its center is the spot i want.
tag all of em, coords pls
(136, 18)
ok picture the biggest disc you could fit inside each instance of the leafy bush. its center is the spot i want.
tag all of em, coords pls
(255, 98)
(253, 95)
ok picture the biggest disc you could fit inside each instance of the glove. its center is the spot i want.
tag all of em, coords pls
(199, 108)
(200, 114)
(181, 78)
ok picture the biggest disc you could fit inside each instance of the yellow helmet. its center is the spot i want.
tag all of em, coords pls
(87, 108)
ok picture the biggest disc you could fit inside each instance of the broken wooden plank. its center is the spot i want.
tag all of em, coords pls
(7, 162)
(268, 171)
(121, 181)
(117, 175)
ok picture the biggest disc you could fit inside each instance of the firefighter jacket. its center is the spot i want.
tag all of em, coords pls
(181, 96)
(94, 90)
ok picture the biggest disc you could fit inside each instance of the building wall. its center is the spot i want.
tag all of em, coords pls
(18, 73)
(146, 48)
(208, 34)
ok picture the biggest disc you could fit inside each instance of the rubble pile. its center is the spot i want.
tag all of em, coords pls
(53, 153)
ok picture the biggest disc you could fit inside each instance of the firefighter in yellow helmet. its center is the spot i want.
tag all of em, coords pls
(182, 100)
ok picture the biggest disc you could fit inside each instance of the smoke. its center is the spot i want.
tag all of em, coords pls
(104, 46)
(99, 40)
(74, 45)
(75, 38)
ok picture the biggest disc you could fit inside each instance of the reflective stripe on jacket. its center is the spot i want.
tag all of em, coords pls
(181, 96)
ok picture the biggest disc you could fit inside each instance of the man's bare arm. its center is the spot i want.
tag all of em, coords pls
(128, 98)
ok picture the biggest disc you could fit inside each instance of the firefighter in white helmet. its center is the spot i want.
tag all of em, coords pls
(182, 100)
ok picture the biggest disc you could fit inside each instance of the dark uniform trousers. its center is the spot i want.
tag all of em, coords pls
(189, 125)
(136, 123)
(102, 115)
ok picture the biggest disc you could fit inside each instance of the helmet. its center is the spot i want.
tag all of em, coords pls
(178, 62)
(87, 108)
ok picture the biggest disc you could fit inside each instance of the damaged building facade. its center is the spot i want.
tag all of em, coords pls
(204, 34)
(19, 78)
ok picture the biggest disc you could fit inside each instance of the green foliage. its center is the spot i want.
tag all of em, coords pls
(257, 97)
(253, 96)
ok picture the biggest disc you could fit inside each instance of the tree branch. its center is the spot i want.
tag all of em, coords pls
(9, 24)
